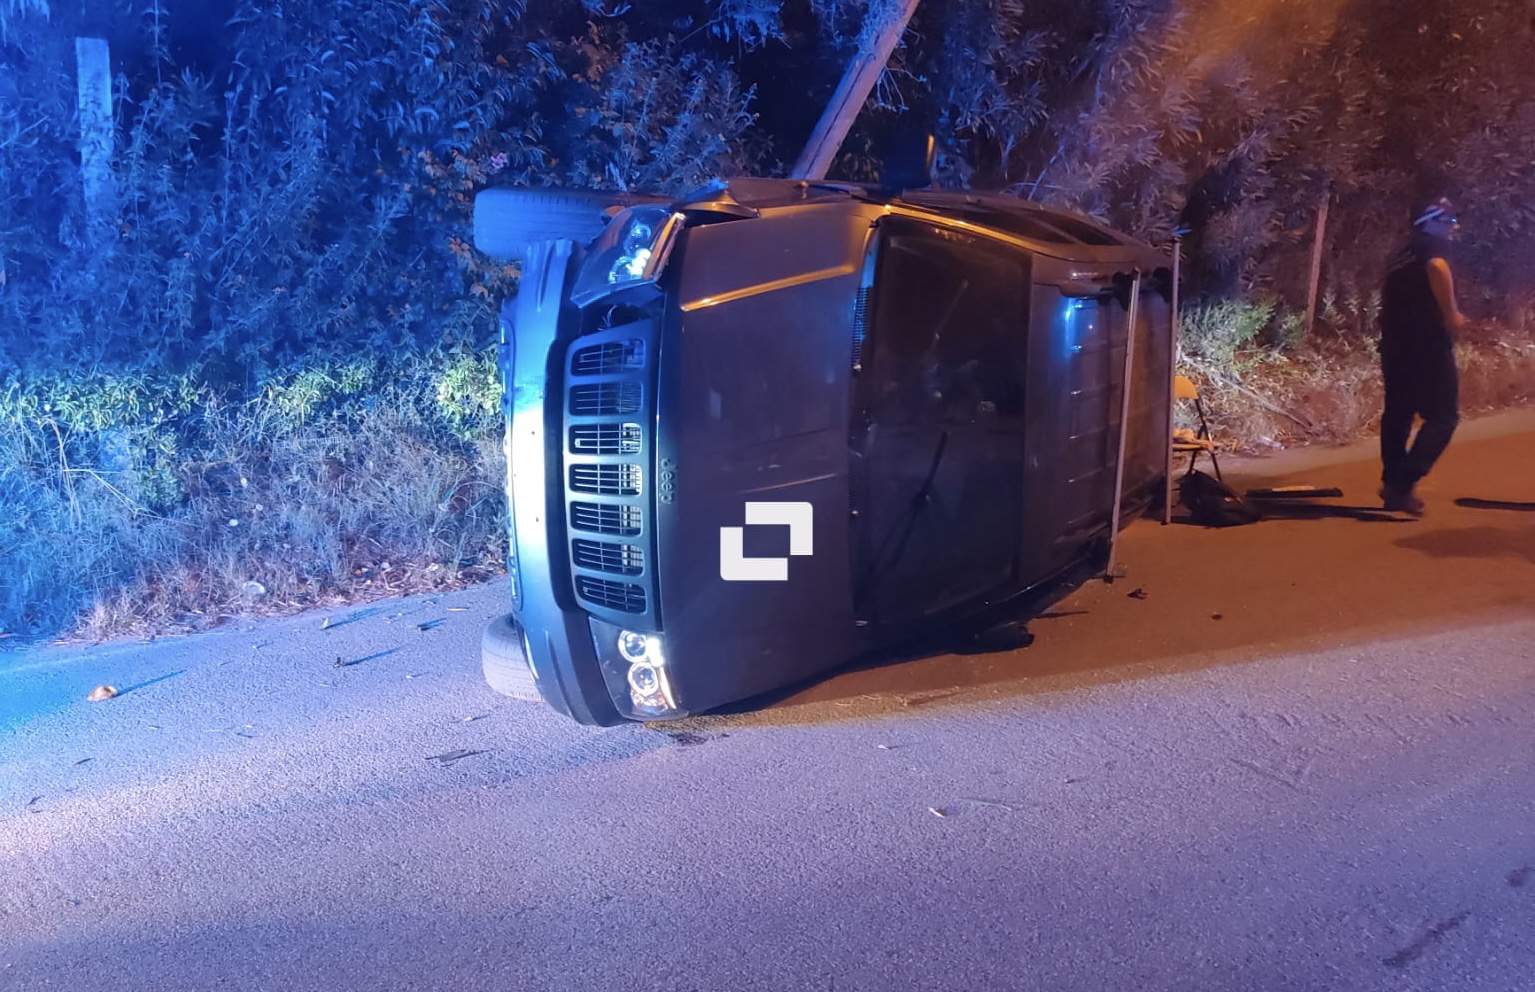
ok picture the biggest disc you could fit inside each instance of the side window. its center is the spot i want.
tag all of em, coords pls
(949, 319)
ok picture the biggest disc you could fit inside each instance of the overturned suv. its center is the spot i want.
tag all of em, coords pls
(775, 425)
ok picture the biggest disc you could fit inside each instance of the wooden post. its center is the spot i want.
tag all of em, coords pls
(1316, 261)
(94, 76)
(1124, 423)
(874, 50)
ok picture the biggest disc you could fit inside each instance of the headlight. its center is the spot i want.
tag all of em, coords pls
(649, 689)
(634, 666)
(633, 646)
(630, 252)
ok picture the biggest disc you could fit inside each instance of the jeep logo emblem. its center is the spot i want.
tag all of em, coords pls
(736, 567)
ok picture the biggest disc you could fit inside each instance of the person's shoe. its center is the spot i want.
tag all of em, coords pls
(1401, 501)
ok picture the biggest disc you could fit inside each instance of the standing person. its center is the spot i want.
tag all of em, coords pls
(1419, 321)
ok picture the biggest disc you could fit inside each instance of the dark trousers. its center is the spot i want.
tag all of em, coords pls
(1424, 385)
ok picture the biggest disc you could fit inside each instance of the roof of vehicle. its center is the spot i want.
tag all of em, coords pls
(1058, 232)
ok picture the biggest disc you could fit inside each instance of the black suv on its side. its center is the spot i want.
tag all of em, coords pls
(769, 427)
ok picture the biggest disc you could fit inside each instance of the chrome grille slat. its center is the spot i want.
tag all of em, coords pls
(605, 439)
(620, 398)
(606, 479)
(625, 597)
(616, 559)
(615, 519)
(609, 357)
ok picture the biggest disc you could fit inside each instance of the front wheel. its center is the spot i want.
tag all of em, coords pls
(504, 660)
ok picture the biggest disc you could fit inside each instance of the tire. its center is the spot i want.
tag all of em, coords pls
(507, 221)
(504, 663)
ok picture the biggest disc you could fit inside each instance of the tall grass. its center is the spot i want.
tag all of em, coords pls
(144, 503)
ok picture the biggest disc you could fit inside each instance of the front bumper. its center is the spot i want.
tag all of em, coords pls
(558, 636)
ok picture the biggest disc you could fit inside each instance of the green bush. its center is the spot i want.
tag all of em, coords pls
(1215, 334)
(136, 499)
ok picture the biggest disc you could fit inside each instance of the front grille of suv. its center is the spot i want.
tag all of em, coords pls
(609, 410)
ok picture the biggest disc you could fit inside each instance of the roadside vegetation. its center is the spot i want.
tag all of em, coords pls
(256, 373)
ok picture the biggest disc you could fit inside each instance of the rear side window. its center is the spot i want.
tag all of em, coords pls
(1084, 232)
(1021, 225)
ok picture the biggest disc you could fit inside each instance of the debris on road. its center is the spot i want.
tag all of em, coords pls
(342, 663)
(937, 812)
(80, 761)
(1217, 616)
(452, 756)
(1137, 593)
(429, 624)
(1425, 943)
(102, 692)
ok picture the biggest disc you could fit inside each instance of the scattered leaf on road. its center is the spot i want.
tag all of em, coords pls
(1137, 593)
(33, 800)
(102, 692)
(937, 812)
(81, 761)
(1217, 616)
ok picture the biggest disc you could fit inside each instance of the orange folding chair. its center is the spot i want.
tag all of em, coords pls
(1194, 442)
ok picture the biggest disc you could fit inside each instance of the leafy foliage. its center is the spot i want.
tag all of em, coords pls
(1233, 123)
(312, 194)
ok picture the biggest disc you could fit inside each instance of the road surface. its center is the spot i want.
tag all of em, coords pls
(1289, 756)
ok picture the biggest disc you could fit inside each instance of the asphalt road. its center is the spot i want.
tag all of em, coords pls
(1297, 758)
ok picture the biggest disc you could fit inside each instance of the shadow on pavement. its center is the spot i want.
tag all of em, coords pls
(1474, 542)
(1304, 578)
(1495, 504)
(149, 682)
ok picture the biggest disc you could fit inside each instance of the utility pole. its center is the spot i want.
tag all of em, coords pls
(1316, 260)
(877, 43)
(93, 62)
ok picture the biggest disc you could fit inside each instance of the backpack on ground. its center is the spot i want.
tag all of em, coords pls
(1213, 503)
